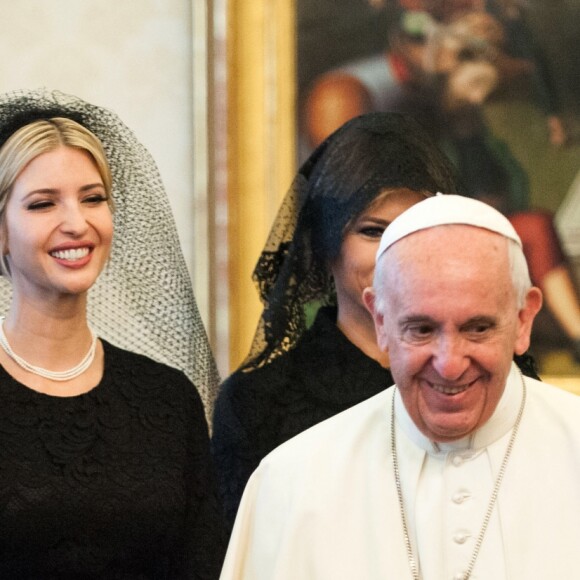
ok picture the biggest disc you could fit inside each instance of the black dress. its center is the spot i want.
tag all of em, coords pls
(257, 411)
(113, 483)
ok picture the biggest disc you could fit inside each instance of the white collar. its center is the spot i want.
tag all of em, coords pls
(497, 426)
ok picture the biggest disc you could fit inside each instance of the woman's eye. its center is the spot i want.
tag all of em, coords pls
(95, 199)
(372, 231)
(40, 205)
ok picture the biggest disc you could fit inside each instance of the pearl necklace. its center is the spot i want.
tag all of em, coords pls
(412, 560)
(52, 375)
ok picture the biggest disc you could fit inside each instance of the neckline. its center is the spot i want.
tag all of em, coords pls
(30, 392)
(501, 421)
(326, 322)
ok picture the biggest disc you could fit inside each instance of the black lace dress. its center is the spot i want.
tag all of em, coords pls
(257, 411)
(113, 483)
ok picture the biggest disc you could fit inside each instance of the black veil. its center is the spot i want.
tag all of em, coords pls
(367, 155)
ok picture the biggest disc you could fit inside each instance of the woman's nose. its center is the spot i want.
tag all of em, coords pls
(73, 220)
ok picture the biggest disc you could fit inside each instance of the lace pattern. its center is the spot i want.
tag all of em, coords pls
(114, 483)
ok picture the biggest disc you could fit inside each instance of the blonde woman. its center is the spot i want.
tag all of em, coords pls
(104, 457)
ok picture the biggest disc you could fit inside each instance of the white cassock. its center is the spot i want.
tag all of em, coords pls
(324, 506)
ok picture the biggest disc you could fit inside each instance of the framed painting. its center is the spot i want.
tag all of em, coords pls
(497, 82)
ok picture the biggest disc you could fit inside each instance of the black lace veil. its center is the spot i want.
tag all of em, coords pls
(143, 301)
(338, 181)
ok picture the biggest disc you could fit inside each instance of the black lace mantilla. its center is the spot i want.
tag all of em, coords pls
(114, 483)
(365, 156)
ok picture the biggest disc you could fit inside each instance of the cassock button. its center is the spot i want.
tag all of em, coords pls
(459, 576)
(460, 537)
(460, 497)
(457, 460)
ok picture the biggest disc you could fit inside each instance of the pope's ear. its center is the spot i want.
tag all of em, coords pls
(369, 298)
(370, 301)
(532, 305)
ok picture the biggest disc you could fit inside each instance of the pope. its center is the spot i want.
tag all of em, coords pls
(466, 469)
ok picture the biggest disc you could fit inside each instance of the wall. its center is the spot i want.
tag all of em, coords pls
(132, 56)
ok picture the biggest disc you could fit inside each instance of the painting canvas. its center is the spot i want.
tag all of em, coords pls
(497, 83)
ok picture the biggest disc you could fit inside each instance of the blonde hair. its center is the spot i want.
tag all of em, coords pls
(43, 136)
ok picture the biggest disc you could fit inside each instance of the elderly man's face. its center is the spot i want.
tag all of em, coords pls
(451, 325)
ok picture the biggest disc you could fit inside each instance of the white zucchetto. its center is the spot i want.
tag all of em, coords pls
(443, 209)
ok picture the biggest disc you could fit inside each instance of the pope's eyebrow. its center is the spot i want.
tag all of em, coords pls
(489, 321)
(417, 319)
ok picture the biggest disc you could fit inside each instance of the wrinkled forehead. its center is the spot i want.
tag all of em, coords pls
(445, 267)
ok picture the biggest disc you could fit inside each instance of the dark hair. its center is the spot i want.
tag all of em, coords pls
(367, 155)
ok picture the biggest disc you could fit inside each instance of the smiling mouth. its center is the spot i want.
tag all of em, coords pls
(71, 255)
(447, 390)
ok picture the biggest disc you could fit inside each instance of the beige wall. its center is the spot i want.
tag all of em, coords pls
(132, 56)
